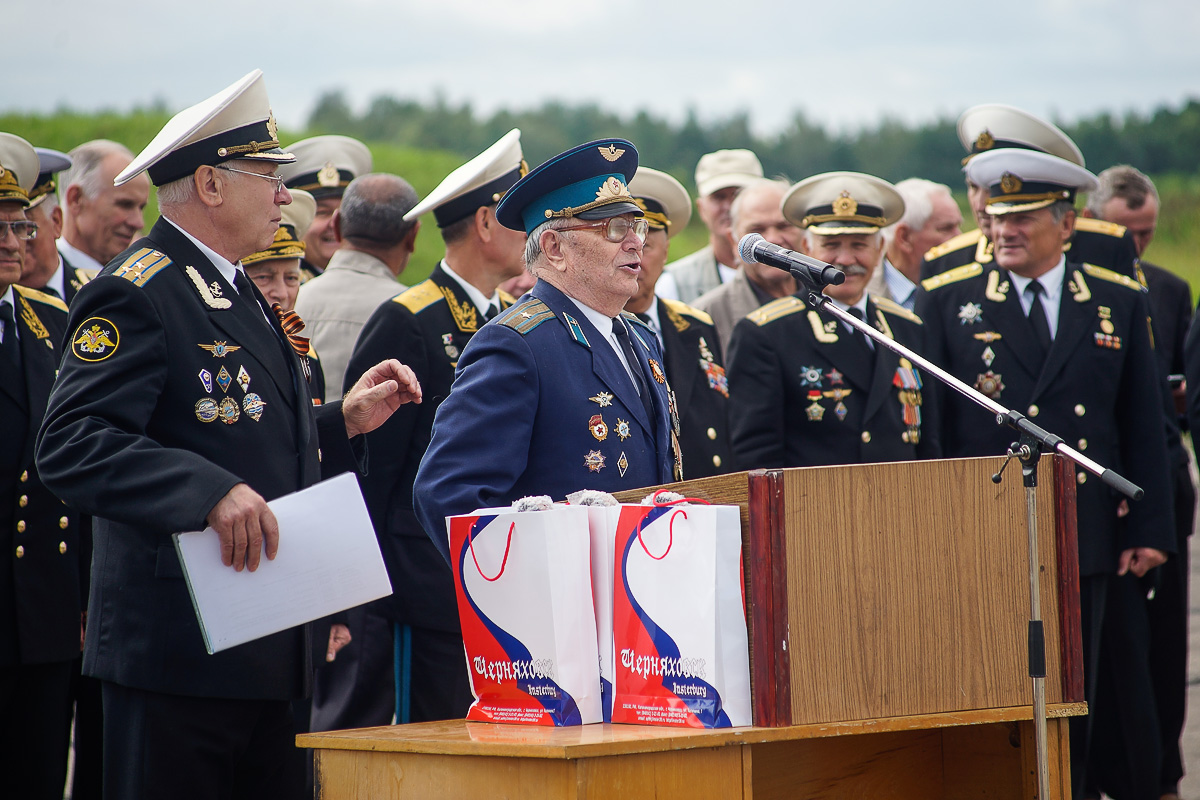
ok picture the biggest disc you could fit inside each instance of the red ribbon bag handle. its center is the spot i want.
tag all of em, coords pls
(504, 563)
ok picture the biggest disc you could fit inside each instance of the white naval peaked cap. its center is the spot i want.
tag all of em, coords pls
(325, 165)
(298, 217)
(18, 169)
(725, 168)
(662, 198)
(482, 181)
(1026, 180)
(834, 203)
(236, 122)
(994, 126)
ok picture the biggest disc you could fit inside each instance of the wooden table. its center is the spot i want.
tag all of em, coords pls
(971, 754)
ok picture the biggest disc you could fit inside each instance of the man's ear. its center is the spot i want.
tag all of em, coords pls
(410, 240)
(485, 218)
(336, 222)
(210, 187)
(553, 250)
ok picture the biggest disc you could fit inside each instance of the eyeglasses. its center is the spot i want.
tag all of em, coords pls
(617, 228)
(275, 178)
(24, 230)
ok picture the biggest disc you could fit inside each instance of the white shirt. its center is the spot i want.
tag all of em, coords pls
(77, 257)
(9, 298)
(476, 296)
(903, 290)
(652, 313)
(1052, 286)
(224, 266)
(57, 282)
(604, 324)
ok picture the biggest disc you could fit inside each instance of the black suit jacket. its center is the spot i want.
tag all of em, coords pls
(804, 393)
(1099, 389)
(151, 422)
(696, 371)
(40, 583)
(426, 327)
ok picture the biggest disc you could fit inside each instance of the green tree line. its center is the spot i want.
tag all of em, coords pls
(1162, 142)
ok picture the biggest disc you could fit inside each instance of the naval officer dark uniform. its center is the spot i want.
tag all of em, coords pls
(44, 563)
(426, 327)
(176, 387)
(806, 391)
(696, 373)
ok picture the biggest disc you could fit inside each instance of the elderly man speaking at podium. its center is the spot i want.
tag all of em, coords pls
(570, 388)
(182, 402)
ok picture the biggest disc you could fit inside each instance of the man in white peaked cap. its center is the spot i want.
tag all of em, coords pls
(182, 404)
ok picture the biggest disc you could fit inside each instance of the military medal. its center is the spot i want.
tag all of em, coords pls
(1107, 340)
(657, 372)
(990, 384)
(1106, 324)
(908, 381)
(224, 379)
(220, 349)
(987, 337)
(206, 380)
(243, 379)
(594, 461)
(622, 429)
(206, 409)
(253, 405)
(228, 410)
(970, 313)
(598, 428)
(989, 355)
(604, 399)
(622, 464)
(840, 410)
(448, 344)
(705, 353)
(834, 377)
(815, 410)
(715, 373)
(810, 376)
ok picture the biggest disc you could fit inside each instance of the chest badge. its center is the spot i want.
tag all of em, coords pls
(990, 384)
(448, 344)
(657, 372)
(243, 379)
(815, 410)
(594, 460)
(228, 410)
(811, 376)
(604, 399)
(622, 429)
(224, 379)
(253, 405)
(206, 409)
(970, 313)
(598, 427)
(220, 349)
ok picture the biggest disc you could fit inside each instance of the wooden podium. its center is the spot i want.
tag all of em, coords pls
(888, 608)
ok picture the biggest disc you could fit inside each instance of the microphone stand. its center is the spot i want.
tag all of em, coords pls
(1033, 441)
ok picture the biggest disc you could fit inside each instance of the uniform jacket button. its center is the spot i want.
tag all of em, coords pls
(716, 460)
(23, 501)
(20, 526)
(1080, 410)
(1083, 444)
(63, 522)
(904, 437)
(62, 547)
(25, 476)
(1034, 411)
(866, 437)
(712, 433)
(1081, 478)
(20, 551)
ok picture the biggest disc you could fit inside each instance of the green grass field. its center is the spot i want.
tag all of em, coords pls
(1176, 245)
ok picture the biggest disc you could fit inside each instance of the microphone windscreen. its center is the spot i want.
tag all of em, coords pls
(746, 247)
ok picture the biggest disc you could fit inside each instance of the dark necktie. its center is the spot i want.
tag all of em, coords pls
(1037, 316)
(859, 337)
(493, 311)
(11, 346)
(622, 334)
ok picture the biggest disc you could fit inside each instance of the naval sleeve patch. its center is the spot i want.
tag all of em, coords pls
(95, 339)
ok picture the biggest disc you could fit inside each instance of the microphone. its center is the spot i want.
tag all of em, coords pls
(754, 248)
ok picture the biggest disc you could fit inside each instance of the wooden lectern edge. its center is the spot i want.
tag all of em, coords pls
(1066, 540)
(455, 737)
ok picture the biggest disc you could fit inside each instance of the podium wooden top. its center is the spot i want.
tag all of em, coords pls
(459, 737)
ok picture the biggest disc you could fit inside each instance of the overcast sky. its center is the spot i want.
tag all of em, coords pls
(841, 63)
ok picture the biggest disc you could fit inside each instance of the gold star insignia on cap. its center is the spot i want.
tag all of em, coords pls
(611, 153)
(845, 205)
(985, 141)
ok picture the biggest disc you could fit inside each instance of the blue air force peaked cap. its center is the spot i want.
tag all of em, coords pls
(590, 181)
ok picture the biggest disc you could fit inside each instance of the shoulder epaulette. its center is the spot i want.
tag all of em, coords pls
(968, 239)
(952, 276)
(895, 309)
(40, 297)
(1093, 225)
(1113, 277)
(85, 274)
(142, 265)
(684, 310)
(525, 317)
(775, 309)
(419, 297)
(505, 297)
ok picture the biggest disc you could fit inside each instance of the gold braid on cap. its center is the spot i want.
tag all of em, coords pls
(10, 187)
(611, 191)
(252, 147)
(653, 218)
(1029, 198)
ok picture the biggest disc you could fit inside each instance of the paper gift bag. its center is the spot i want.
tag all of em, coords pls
(679, 620)
(523, 585)
(602, 522)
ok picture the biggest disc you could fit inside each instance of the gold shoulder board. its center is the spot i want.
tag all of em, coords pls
(1092, 225)
(505, 297)
(775, 310)
(1112, 277)
(142, 265)
(419, 297)
(685, 310)
(967, 239)
(84, 274)
(40, 297)
(952, 276)
(895, 309)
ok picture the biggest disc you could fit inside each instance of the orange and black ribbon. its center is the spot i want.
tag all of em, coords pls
(292, 325)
